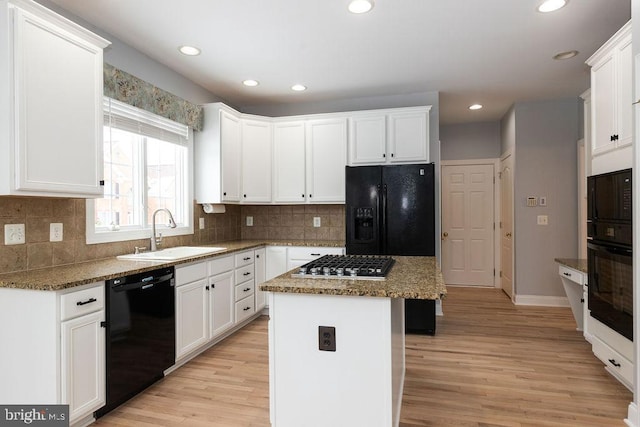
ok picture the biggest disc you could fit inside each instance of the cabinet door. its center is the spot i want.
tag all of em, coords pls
(408, 137)
(624, 92)
(260, 274)
(276, 261)
(256, 161)
(222, 303)
(58, 108)
(230, 133)
(289, 162)
(367, 139)
(192, 317)
(83, 364)
(603, 105)
(326, 160)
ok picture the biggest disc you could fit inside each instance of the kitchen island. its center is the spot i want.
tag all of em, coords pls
(336, 346)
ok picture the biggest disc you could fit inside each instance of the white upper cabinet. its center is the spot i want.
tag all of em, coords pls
(256, 161)
(289, 162)
(612, 98)
(50, 104)
(217, 155)
(400, 135)
(326, 160)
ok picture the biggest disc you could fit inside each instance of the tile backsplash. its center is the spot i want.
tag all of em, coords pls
(294, 222)
(36, 213)
(289, 222)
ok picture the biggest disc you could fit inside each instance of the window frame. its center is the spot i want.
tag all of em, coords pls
(125, 234)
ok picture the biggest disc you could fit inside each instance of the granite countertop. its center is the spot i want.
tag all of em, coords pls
(69, 276)
(579, 264)
(410, 277)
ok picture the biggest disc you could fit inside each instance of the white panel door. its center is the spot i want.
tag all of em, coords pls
(289, 162)
(230, 140)
(506, 225)
(467, 224)
(326, 160)
(624, 94)
(603, 104)
(367, 139)
(222, 303)
(192, 317)
(408, 137)
(256, 161)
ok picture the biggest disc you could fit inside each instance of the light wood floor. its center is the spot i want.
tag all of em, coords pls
(490, 364)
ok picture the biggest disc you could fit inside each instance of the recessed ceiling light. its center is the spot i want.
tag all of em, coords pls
(566, 55)
(250, 83)
(475, 107)
(360, 6)
(551, 5)
(298, 87)
(189, 50)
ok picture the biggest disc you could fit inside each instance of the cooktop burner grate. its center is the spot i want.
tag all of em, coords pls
(368, 267)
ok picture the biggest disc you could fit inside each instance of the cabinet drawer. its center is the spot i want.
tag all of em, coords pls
(77, 303)
(190, 273)
(245, 289)
(244, 273)
(245, 308)
(220, 265)
(244, 258)
(570, 274)
(613, 360)
(311, 253)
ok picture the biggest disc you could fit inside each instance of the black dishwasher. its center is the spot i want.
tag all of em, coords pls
(140, 328)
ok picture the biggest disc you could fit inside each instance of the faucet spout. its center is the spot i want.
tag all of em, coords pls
(155, 241)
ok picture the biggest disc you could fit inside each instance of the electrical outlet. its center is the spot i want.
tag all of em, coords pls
(249, 221)
(316, 221)
(543, 220)
(14, 234)
(55, 232)
(326, 338)
(201, 223)
(543, 200)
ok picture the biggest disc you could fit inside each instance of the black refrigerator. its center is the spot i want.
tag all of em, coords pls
(390, 210)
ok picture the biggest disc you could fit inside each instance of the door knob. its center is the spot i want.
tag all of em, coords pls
(445, 235)
(508, 234)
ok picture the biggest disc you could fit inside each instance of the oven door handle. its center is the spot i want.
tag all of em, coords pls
(617, 250)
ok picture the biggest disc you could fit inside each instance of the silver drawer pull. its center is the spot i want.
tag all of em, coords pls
(89, 301)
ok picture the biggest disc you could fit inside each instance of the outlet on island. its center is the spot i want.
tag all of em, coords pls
(326, 338)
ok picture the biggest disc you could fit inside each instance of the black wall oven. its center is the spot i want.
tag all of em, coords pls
(609, 250)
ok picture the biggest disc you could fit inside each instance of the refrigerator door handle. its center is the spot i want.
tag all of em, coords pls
(383, 212)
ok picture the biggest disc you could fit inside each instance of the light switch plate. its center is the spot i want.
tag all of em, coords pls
(543, 200)
(249, 221)
(14, 234)
(316, 221)
(55, 232)
(201, 223)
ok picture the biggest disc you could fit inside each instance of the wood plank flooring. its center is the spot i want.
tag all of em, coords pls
(490, 364)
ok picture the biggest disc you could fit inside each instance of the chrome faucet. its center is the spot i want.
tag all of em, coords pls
(155, 241)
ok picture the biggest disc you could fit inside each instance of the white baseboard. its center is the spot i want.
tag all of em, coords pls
(633, 418)
(541, 300)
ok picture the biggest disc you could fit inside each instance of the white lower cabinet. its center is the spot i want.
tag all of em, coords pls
(192, 317)
(614, 350)
(221, 301)
(83, 364)
(299, 255)
(260, 275)
(55, 348)
(245, 305)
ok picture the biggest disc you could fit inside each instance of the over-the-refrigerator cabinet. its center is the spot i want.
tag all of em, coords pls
(390, 210)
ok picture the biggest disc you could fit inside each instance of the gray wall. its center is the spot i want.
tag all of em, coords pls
(470, 141)
(508, 131)
(134, 62)
(546, 135)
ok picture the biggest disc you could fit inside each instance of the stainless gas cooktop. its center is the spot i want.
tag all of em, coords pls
(361, 267)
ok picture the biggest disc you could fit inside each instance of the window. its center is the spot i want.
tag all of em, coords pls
(147, 160)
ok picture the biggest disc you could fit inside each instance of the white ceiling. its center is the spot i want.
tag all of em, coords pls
(494, 52)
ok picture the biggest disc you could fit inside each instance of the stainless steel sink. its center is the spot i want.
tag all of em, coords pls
(171, 254)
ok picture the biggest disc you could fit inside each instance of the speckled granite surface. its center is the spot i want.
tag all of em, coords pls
(410, 277)
(68, 276)
(579, 264)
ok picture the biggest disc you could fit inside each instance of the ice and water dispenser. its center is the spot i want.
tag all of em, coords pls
(364, 219)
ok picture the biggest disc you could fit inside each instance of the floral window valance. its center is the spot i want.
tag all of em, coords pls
(133, 91)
